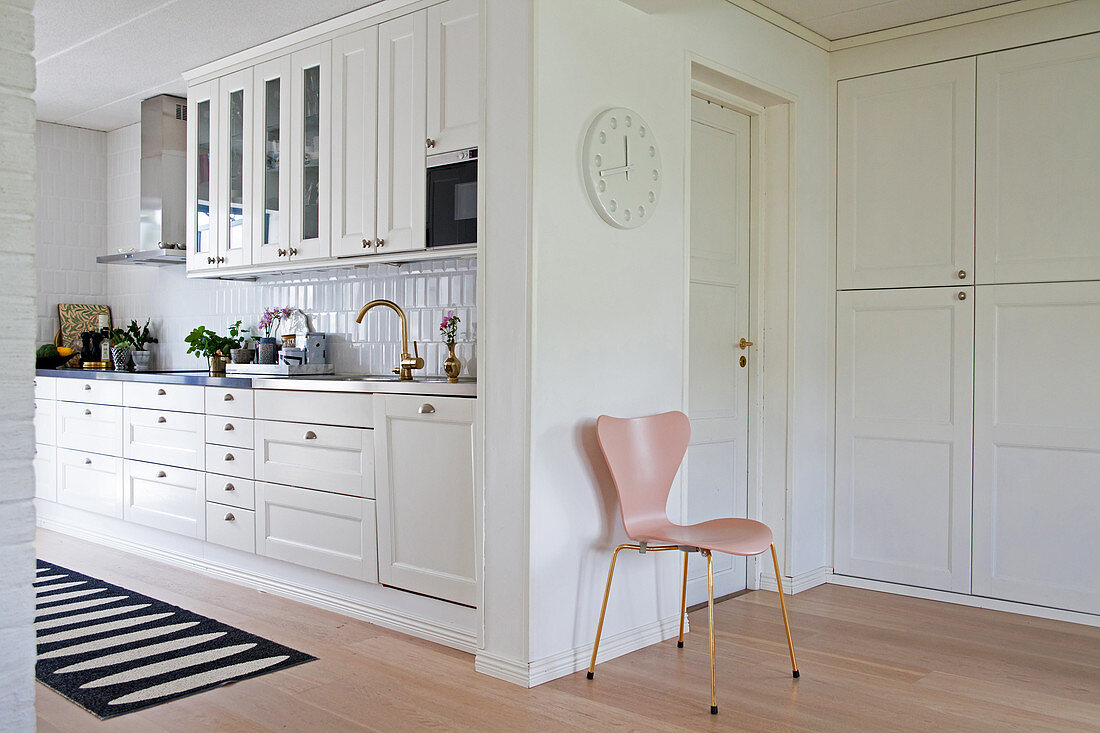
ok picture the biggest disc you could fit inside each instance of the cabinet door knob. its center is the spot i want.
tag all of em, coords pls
(162, 419)
(230, 487)
(366, 243)
(429, 143)
(229, 517)
(161, 393)
(227, 398)
(87, 387)
(744, 343)
(228, 427)
(962, 295)
(221, 260)
(161, 474)
(229, 457)
(281, 252)
(87, 461)
(293, 251)
(426, 409)
(380, 242)
(310, 435)
(87, 412)
(962, 274)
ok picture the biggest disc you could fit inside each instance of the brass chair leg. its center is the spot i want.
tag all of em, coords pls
(710, 621)
(603, 608)
(783, 607)
(683, 601)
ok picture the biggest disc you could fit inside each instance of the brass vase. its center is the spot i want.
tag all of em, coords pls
(217, 364)
(452, 366)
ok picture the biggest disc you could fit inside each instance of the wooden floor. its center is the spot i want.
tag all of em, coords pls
(869, 661)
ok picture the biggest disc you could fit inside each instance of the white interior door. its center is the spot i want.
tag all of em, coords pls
(715, 471)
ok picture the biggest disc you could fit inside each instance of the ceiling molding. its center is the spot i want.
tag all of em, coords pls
(887, 34)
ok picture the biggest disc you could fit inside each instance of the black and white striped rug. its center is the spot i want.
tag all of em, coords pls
(113, 651)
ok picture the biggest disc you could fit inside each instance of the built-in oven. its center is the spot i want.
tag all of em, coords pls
(452, 198)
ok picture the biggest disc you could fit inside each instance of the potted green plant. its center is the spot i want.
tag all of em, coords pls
(140, 338)
(120, 349)
(240, 351)
(215, 347)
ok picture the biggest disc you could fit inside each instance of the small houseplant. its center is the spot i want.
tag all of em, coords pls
(269, 322)
(120, 349)
(240, 350)
(140, 337)
(448, 327)
(215, 347)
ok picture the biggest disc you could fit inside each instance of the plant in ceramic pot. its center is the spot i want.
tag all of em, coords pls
(140, 337)
(452, 366)
(120, 349)
(242, 353)
(215, 347)
(269, 321)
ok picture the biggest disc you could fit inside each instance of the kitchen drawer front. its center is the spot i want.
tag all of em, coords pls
(45, 421)
(229, 401)
(90, 427)
(233, 431)
(154, 396)
(45, 388)
(236, 462)
(96, 391)
(160, 436)
(325, 531)
(352, 409)
(45, 472)
(324, 457)
(231, 527)
(238, 492)
(165, 497)
(89, 481)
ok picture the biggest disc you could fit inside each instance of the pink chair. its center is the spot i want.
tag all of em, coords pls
(644, 454)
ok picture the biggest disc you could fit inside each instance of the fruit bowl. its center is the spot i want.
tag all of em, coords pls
(52, 362)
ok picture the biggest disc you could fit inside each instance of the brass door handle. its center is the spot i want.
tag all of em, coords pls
(744, 343)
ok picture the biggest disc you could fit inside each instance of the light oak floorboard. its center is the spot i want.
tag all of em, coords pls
(869, 661)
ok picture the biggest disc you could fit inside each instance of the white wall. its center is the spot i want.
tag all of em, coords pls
(17, 252)
(608, 305)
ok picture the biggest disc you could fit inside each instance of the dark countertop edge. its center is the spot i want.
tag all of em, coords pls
(196, 377)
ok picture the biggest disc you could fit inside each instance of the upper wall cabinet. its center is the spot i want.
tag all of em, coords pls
(905, 177)
(310, 153)
(202, 176)
(235, 169)
(354, 142)
(454, 97)
(270, 177)
(1037, 161)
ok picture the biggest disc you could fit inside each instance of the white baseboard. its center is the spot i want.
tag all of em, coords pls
(509, 670)
(962, 599)
(615, 645)
(797, 583)
(423, 628)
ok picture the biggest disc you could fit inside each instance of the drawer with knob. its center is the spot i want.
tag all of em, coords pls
(90, 481)
(165, 497)
(230, 431)
(176, 397)
(229, 461)
(89, 427)
(45, 388)
(96, 391)
(162, 436)
(45, 421)
(231, 527)
(230, 490)
(334, 459)
(229, 401)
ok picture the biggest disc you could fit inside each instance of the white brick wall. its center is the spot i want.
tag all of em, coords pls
(17, 302)
(71, 221)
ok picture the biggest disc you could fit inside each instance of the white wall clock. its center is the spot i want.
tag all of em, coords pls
(622, 168)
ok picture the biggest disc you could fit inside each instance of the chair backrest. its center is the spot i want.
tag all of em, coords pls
(643, 454)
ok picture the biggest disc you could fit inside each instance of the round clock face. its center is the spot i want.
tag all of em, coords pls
(622, 168)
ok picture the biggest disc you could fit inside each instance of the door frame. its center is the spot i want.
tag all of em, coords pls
(771, 113)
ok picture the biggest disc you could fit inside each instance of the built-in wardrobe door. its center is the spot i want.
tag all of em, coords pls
(903, 436)
(1037, 445)
(354, 142)
(454, 96)
(1038, 161)
(235, 175)
(402, 136)
(905, 177)
(310, 152)
(270, 155)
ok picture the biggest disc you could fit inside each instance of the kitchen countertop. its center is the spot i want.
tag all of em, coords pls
(387, 384)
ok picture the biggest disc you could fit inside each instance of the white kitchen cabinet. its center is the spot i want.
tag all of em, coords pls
(324, 457)
(45, 388)
(229, 401)
(402, 133)
(156, 396)
(235, 175)
(231, 527)
(230, 431)
(88, 427)
(45, 421)
(310, 152)
(159, 436)
(354, 142)
(96, 391)
(424, 448)
(317, 529)
(453, 75)
(350, 409)
(165, 497)
(1037, 160)
(903, 436)
(1037, 445)
(270, 180)
(228, 461)
(202, 176)
(90, 482)
(232, 491)
(45, 472)
(905, 177)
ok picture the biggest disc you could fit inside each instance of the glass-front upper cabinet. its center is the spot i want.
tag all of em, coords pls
(270, 177)
(235, 170)
(310, 141)
(202, 176)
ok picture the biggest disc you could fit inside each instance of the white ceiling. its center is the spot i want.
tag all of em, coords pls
(835, 19)
(97, 59)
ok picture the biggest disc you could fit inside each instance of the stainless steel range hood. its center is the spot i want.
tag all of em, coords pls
(163, 185)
